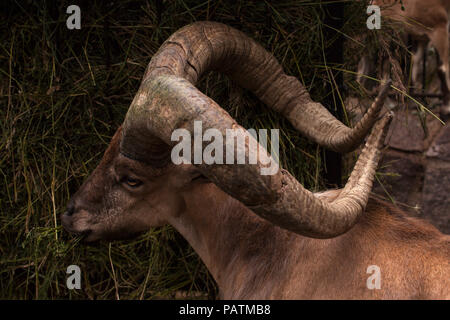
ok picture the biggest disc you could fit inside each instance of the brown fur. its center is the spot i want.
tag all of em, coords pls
(253, 259)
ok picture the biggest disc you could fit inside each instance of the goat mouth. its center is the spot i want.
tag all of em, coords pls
(88, 236)
(83, 235)
(67, 224)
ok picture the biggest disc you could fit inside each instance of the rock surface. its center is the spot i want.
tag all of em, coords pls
(415, 168)
(436, 196)
(400, 178)
(440, 148)
(406, 133)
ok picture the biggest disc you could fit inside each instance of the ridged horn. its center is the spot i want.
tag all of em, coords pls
(168, 100)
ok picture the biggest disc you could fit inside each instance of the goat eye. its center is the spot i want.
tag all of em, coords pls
(132, 182)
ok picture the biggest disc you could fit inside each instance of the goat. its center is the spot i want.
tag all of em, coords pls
(426, 22)
(260, 236)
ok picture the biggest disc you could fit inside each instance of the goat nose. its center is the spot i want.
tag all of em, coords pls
(70, 208)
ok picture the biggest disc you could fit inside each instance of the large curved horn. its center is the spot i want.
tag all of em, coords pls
(168, 100)
(205, 46)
